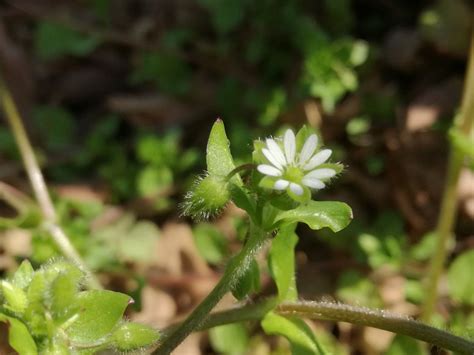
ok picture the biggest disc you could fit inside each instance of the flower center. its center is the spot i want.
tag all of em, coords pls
(293, 174)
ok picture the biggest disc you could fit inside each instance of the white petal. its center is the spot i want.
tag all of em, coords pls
(313, 183)
(321, 174)
(308, 148)
(275, 150)
(271, 158)
(290, 146)
(296, 189)
(318, 159)
(281, 184)
(269, 170)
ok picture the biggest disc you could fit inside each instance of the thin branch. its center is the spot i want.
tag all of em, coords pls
(39, 186)
(338, 312)
(15, 198)
(447, 214)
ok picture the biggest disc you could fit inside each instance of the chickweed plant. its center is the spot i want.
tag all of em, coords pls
(61, 307)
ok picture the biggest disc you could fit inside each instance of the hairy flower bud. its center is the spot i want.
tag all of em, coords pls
(208, 197)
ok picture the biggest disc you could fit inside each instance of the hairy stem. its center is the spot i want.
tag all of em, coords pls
(338, 312)
(39, 186)
(447, 212)
(234, 270)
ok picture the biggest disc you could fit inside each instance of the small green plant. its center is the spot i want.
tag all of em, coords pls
(48, 313)
(277, 194)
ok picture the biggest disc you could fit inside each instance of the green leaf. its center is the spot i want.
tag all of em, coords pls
(211, 243)
(229, 339)
(23, 275)
(402, 345)
(63, 292)
(34, 313)
(19, 337)
(248, 282)
(100, 312)
(218, 156)
(53, 40)
(461, 280)
(318, 214)
(300, 336)
(130, 336)
(15, 297)
(282, 262)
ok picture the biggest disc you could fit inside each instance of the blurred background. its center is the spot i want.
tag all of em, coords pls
(118, 98)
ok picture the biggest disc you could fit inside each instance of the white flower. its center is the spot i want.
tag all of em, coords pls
(292, 170)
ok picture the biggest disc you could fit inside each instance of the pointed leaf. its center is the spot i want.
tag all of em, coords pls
(319, 214)
(19, 337)
(218, 156)
(15, 297)
(282, 262)
(23, 275)
(100, 311)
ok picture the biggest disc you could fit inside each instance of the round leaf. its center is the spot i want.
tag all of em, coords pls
(319, 214)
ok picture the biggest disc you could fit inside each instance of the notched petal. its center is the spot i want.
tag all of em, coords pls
(268, 170)
(318, 159)
(281, 184)
(289, 143)
(322, 173)
(308, 148)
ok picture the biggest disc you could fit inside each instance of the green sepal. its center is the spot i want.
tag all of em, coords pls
(257, 155)
(305, 197)
(63, 291)
(302, 135)
(23, 275)
(14, 296)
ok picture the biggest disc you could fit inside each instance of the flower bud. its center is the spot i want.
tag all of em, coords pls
(131, 336)
(207, 198)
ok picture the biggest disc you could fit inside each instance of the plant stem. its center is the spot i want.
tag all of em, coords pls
(338, 312)
(447, 212)
(16, 199)
(39, 186)
(234, 270)
(240, 168)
